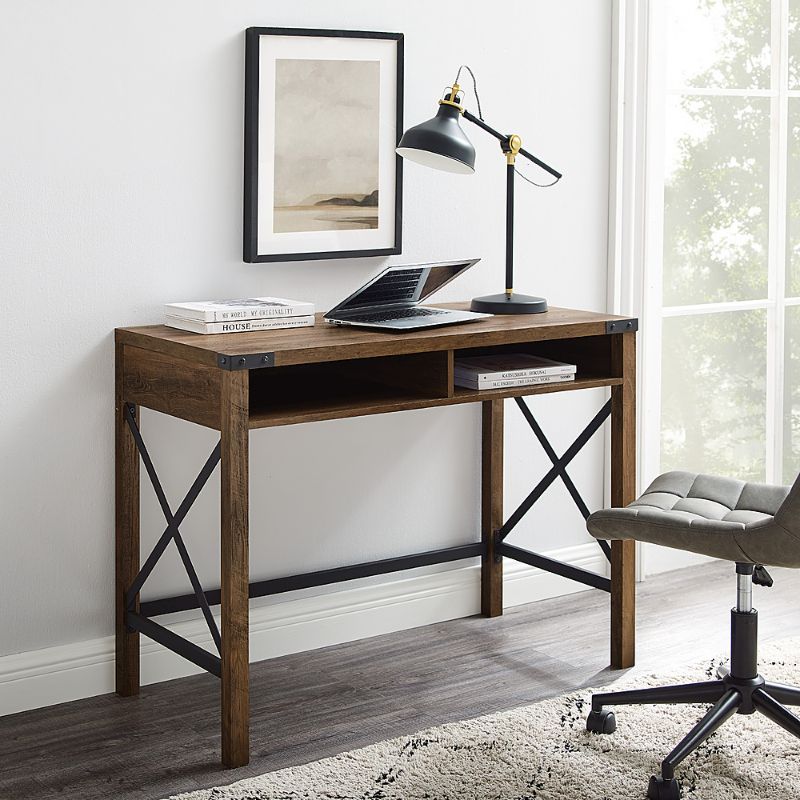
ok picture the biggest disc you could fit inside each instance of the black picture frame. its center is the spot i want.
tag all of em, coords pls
(252, 118)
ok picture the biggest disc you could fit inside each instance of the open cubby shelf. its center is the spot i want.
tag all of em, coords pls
(591, 354)
(462, 395)
(381, 399)
(357, 387)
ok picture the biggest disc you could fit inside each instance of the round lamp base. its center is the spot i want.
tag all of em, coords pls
(503, 304)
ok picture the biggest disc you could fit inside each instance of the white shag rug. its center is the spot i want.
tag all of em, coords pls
(543, 752)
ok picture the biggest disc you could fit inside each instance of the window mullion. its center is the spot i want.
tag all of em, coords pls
(653, 245)
(715, 308)
(777, 251)
(719, 92)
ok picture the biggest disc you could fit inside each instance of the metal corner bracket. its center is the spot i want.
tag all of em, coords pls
(250, 361)
(622, 325)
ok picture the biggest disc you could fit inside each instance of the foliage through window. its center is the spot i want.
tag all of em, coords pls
(730, 268)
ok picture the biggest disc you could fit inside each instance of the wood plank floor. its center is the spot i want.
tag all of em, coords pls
(315, 704)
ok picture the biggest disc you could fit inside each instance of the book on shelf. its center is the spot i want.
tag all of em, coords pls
(486, 370)
(505, 383)
(239, 325)
(248, 308)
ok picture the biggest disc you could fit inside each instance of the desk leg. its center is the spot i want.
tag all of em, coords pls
(623, 491)
(235, 570)
(126, 513)
(492, 507)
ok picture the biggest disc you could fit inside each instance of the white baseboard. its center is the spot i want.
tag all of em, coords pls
(287, 624)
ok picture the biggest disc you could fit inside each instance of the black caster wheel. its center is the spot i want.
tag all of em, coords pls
(601, 721)
(659, 789)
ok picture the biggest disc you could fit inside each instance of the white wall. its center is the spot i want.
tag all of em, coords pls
(121, 175)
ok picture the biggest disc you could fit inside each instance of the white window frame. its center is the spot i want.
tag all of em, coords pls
(626, 207)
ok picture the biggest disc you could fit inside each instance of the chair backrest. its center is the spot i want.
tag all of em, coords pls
(788, 515)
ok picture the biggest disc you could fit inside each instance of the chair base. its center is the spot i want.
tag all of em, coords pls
(738, 690)
(728, 695)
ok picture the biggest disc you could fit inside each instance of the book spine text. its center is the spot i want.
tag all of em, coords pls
(471, 383)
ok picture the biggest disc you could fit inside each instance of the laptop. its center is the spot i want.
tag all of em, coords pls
(390, 301)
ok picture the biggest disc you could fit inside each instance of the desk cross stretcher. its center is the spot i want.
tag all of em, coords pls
(237, 383)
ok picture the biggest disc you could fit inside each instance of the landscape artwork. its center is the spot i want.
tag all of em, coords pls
(323, 112)
(327, 129)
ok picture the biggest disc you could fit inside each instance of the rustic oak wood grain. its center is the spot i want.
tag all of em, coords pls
(330, 373)
(324, 342)
(357, 402)
(491, 506)
(173, 385)
(235, 569)
(126, 537)
(348, 401)
(623, 491)
(451, 367)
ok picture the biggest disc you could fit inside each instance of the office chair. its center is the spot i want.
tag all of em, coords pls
(748, 523)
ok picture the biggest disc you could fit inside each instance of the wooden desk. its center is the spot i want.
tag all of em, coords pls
(238, 382)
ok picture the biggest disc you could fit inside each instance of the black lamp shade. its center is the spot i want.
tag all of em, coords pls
(440, 143)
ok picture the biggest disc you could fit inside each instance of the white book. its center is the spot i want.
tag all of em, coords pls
(249, 308)
(504, 383)
(510, 366)
(239, 325)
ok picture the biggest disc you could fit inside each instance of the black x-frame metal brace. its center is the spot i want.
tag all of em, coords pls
(558, 470)
(136, 620)
(141, 619)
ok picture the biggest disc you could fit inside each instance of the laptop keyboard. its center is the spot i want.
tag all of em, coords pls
(400, 313)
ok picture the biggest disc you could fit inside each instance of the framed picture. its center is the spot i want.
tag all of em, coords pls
(323, 115)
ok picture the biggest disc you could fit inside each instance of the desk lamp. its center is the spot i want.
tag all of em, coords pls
(440, 143)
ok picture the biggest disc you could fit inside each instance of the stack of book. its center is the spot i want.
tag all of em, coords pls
(238, 316)
(509, 370)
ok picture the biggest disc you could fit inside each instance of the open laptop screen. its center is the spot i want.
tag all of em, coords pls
(404, 285)
(438, 275)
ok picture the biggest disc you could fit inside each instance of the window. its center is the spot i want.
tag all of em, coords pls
(722, 287)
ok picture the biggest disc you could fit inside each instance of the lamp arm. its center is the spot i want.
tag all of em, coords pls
(511, 147)
(555, 173)
(481, 124)
(503, 139)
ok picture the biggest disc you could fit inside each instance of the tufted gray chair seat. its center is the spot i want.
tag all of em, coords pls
(719, 517)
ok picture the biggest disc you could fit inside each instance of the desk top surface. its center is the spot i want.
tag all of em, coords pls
(326, 342)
